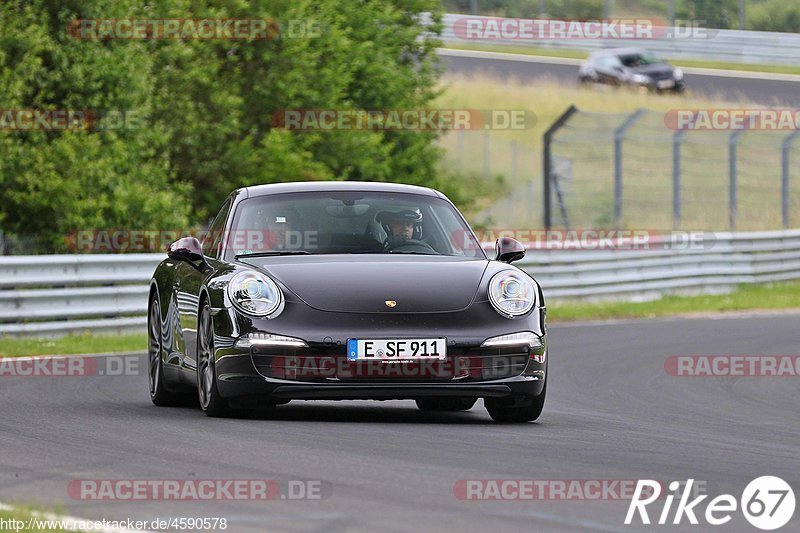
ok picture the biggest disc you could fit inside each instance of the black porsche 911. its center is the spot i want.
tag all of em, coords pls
(631, 67)
(345, 290)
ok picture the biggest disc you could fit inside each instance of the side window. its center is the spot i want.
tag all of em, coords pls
(212, 243)
(607, 63)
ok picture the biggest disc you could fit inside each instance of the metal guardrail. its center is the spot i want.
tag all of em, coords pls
(58, 294)
(732, 259)
(736, 46)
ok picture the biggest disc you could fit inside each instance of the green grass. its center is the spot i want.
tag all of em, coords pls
(746, 297)
(523, 50)
(584, 154)
(580, 54)
(85, 343)
(24, 514)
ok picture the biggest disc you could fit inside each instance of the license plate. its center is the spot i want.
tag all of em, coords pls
(396, 349)
(666, 84)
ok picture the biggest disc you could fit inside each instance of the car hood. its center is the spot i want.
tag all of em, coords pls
(363, 284)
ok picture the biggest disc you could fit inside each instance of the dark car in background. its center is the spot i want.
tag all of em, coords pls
(345, 290)
(631, 67)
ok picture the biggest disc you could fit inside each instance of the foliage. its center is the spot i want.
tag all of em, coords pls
(204, 109)
(531, 8)
(774, 15)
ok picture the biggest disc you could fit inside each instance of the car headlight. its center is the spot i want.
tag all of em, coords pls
(254, 293)
(512, 293)
(523, 338)
(678, 73)
(640, 78)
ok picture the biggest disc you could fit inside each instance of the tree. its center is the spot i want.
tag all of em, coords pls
(205, 108)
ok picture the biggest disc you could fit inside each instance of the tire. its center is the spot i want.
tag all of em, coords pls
(504, 411)
(446, 404)
(211, 402)
(159, 394)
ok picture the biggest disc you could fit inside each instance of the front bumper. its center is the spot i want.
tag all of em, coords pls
(321, 370)
(664, 85)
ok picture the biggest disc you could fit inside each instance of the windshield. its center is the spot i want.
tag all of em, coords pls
(639, 59)
(349, 223)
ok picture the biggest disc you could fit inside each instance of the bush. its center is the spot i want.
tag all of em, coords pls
(774, 15)
(204, 109)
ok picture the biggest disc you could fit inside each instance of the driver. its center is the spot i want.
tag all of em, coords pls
(400, 226)
(278, 229)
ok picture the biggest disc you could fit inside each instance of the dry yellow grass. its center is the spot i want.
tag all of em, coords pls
(585, 152)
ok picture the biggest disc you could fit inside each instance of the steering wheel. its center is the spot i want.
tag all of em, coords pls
(414, 245)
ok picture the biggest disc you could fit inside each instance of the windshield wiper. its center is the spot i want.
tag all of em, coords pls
(411, 253)
(273, 253)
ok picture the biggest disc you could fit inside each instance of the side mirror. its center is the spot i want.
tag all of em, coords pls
(509, 250)
(186, 249)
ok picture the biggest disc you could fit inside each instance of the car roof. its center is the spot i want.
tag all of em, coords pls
(335, 186)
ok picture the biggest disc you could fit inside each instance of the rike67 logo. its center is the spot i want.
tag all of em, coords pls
(767, 502)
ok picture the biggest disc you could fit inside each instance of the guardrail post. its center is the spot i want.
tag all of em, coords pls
(548, 162)
(732, 175)
(677, 139)
(785, 154)
(619, 136)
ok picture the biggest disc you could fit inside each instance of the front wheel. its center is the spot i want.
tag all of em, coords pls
(211, 402)
(446, 404)
(514, 410)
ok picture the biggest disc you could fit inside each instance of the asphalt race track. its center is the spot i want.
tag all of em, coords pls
(613, 413)
(779, 91)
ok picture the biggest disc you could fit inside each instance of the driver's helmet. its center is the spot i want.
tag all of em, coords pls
(407, 216)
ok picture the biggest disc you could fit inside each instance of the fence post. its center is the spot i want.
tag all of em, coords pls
(732, 177)
(785, 154)
(548, 163)
(677, 139)
(619, 136)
